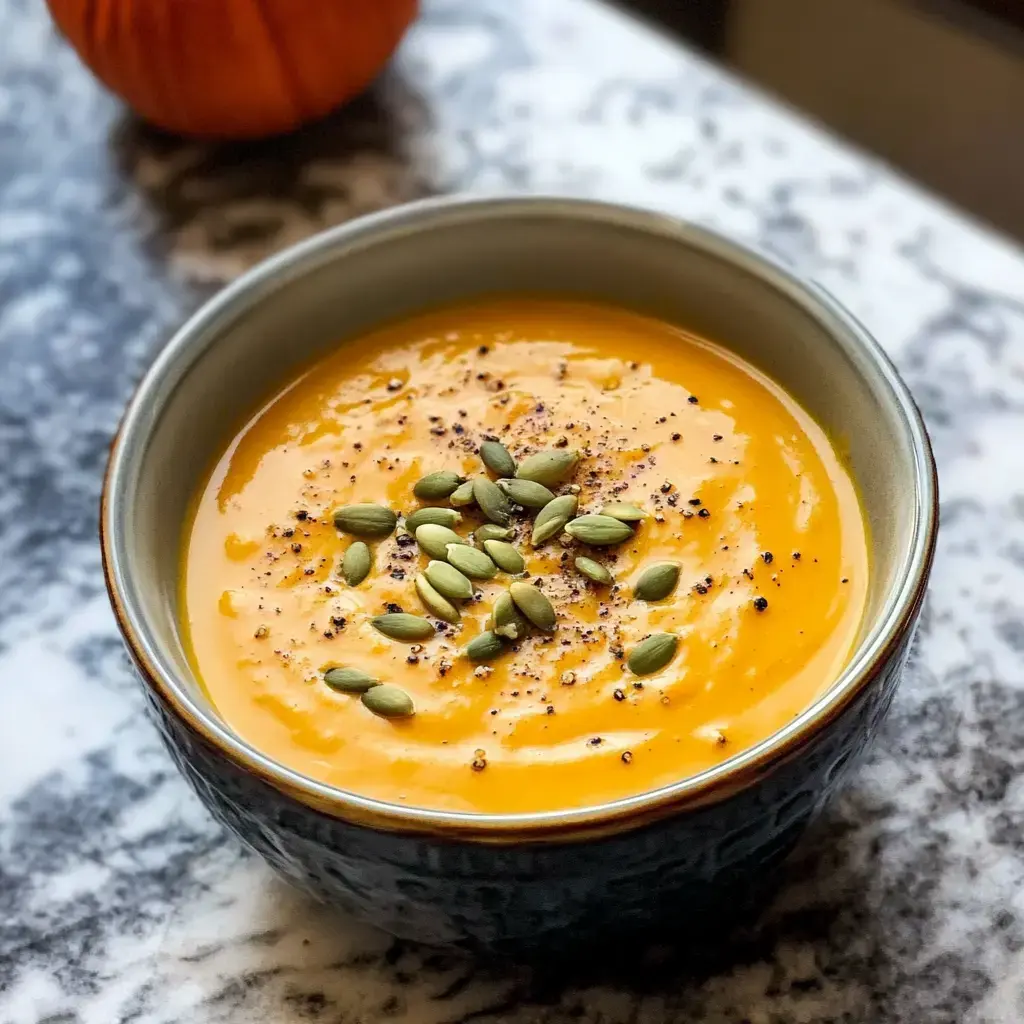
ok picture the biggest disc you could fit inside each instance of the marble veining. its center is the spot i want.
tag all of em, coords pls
(119, 899)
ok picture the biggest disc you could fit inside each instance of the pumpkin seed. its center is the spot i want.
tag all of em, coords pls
(549, 467)
(504, 556)
(657, 582)
(534, 605)
(552, 518)
(652, 654)
(356, 564)
(436, 516)
(491, 531)
(507, 620)
(599, 531)
(435, 603)
(624, 512)
(402, 626)
(448, 581)
(435, 486)
(527, 493)
(485, 647)
(497, 458)
(462, 495)
(434, 539)
(388, 701)
(471, 562)
(366, 520)
(349, 680)
(594, 571)
(492, 501)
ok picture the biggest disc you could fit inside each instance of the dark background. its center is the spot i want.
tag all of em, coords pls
(934, 87)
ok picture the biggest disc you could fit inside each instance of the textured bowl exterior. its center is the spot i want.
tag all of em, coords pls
(681, 875)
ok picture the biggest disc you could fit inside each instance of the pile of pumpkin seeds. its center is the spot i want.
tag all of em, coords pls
(456, 563)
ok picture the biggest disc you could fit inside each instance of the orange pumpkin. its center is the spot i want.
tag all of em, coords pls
(234, 68)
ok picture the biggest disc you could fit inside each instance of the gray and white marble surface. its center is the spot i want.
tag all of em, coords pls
(120, 900)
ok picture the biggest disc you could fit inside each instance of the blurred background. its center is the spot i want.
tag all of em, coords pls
(936, 87)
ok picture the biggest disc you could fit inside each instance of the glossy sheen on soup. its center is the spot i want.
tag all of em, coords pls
(743, 498)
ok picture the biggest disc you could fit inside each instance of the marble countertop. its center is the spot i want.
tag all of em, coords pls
(120, 900)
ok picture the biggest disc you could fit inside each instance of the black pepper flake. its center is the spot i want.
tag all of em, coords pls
(296, 547)
(413, 659)
(549, 710)
(704, 514)
(767, 557)
(405, 540)
(693, 399)
(619, 695)
(483, 350)
(595, 741)
(392, 608)
(796, 556)
(638, 685)
(398, 574)
(308, 572)
(844, 580)
(695, 501)
(302, 514)
(666, 487)
(626, 757)
(716, 437)
(677, 437)
(478, 764)
(701, 588)
(287, 532)
(760, 603)
(338, 621)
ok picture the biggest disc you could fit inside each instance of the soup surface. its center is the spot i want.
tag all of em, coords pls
(742, 492)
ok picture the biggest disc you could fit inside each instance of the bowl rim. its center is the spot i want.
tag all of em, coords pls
(712, 785)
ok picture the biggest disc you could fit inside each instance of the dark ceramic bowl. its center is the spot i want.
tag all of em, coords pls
(681, 854)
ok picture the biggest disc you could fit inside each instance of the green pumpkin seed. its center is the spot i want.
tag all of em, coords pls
(491, 531)
(435, 603)
(462, 495)
(652, 654)
(388, 701)
(497, 458)
(599, 531)
(485, 647)
(552, 518)
(504, 556)
(434, 539)
(435, 486)
(349, 680)
(657, 582)
(549, 467)
(436, 516)
(356, 564)
(448, 581)
(624, 512)
(365, 520)
(507, 620)
(534, 605)
(471, 562)
(527, 493)
(594, 571)
(492, 501)
(410, 629)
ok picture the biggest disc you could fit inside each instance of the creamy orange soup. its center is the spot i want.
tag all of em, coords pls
(741, 490)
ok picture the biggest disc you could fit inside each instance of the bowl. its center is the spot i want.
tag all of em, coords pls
(677, 857)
